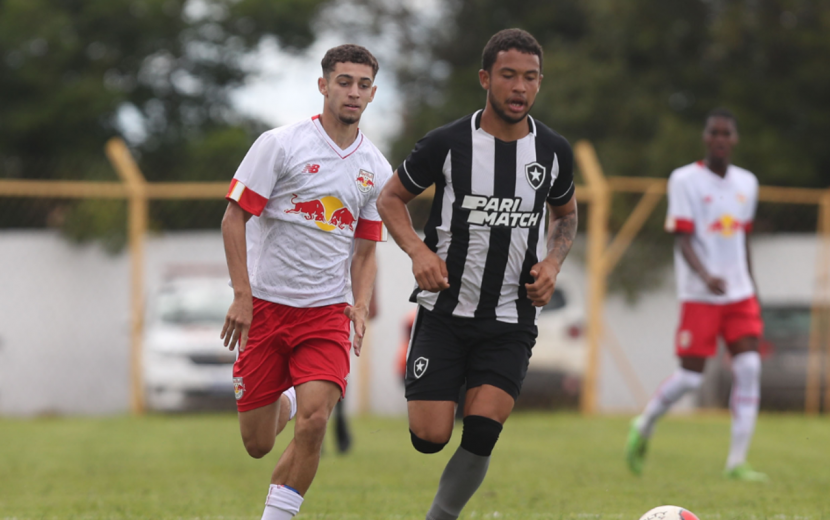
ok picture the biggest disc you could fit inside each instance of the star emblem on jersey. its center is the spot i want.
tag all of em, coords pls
(365, 181)
(420, 366)
(535, 174)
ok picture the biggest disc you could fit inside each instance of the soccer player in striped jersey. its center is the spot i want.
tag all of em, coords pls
(484, 269)
(711, 208)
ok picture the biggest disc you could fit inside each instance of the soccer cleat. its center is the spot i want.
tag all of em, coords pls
(745, 473)
(635, 449)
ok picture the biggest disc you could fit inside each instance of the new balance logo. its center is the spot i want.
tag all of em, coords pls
(499, 212)
(311, 168)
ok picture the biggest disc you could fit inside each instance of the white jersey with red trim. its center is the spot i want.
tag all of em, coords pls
(310, 199)
(717, 212)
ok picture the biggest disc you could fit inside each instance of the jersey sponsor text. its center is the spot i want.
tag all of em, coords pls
(499, 212)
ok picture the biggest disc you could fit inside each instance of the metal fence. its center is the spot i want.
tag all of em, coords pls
(621, 213)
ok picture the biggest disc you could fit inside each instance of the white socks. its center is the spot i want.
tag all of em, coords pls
(291, 394)
(282, 503)
(669, 393)
(746, 393)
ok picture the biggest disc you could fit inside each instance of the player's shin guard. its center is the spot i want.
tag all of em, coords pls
(746, 393)
(670, 392)
(283, 503)
(466, 469)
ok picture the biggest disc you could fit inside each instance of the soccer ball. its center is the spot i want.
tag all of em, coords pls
(669, 513)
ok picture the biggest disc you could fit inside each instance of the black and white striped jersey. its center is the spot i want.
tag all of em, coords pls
(488, 216)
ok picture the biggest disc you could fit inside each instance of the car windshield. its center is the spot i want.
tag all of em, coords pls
(786, 323)
(194, 304)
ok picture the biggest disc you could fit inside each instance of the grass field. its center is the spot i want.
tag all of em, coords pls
(544, 467)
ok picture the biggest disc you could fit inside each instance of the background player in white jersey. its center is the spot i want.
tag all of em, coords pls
(711, 210)
(483, 269)
(300, 233)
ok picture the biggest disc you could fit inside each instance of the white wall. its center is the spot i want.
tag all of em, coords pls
(64, 319)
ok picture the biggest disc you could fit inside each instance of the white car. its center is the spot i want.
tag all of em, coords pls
(185, 364)
(554, 376)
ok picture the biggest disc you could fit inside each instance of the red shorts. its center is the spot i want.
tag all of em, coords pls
(702, 323)
(287, 347)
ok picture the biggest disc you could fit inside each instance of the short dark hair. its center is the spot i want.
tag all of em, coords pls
(348, 53)
(508, 39)
(721, 112)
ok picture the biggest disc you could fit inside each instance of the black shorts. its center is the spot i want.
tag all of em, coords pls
(446, 352)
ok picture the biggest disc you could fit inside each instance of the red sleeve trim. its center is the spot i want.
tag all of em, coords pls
(248, 199)
(370, 230)
(748, 227)
(679, 225)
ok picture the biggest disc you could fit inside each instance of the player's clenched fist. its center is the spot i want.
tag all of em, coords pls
(540, 291)
(237, 323)
(430, 271)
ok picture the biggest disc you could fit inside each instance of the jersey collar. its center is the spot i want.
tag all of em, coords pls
(702, 165)
(476, 121)
(339, 151)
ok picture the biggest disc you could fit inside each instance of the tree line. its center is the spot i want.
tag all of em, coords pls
(636, 78)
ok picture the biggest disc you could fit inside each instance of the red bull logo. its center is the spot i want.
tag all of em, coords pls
(329, 213)
(727, 225)
(311, 210)
(343, 218)
(365, 181)
(238, 388)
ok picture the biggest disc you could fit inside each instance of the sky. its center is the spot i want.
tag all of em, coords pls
(281, 87)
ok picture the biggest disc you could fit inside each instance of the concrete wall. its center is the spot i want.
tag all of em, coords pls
(64, 319)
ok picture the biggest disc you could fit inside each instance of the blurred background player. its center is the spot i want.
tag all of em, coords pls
(711, 209)
(484, 269)
(311, 188)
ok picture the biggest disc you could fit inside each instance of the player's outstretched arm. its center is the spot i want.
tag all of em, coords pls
(240, 313)
(715, 285)
(561, 234)
(429, 269)
(364, 268)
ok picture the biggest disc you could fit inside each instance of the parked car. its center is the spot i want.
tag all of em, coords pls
(784, 351)
(554, 376)
(185, 365)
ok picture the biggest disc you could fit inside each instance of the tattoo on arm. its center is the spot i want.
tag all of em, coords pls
(561, 234)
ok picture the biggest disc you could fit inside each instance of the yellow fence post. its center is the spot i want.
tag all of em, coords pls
(123, 162)
(824, 285)
(818, 321)
(597, 240)
(818, 316)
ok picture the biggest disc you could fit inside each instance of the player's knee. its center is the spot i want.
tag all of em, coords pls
(690, 379)
(426, 446)
(312, 425)
(747, 364)
(256, 448)
(480, 435)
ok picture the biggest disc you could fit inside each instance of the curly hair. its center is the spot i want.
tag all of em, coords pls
(508, 39)
(348, 53)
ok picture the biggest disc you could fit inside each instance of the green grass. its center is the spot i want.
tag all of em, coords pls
(544, 467)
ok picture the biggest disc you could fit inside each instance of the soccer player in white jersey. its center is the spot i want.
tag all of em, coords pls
(484, 268)
(711, 209)
(300, 233)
